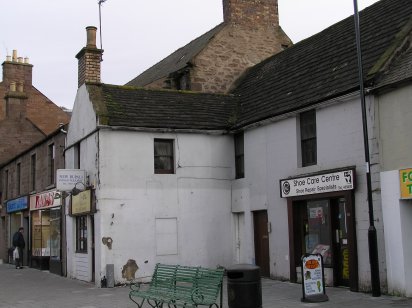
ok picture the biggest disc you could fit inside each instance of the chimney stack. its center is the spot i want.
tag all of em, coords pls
(89, 59)
(251, 13)
(17, 70)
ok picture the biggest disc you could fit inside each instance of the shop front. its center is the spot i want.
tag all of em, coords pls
(18, 215)
(46, 230)
(321, 216)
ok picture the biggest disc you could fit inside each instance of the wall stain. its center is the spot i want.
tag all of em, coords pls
(129, 270)
(108, 242)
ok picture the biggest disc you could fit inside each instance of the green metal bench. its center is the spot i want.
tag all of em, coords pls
(180, 286)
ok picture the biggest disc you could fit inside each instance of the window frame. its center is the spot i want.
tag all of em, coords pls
(171, 157)
(239, 143)
(308, 139)
(81, 234)
(51, 151)
(18, 178)
(33, 159)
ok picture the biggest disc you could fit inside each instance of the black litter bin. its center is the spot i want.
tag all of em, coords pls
(244, 288)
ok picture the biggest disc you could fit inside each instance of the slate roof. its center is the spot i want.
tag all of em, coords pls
(399, 71)
(323, 66)
(175, 61)
(157, 109)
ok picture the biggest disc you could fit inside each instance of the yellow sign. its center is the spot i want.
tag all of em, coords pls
(82, 203)
(405, 179)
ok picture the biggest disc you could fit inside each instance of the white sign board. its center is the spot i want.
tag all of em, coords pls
(68, 178)
(313, 279)
(317, 184)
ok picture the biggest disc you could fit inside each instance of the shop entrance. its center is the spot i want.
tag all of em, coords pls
(260, 223)
(325, 226)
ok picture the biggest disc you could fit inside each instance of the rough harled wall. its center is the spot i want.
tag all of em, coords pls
(231, 52)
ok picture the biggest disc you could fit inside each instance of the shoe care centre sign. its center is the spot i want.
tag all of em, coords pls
(317, 184)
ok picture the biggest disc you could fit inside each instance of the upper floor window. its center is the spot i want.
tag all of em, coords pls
(33, 172)
(163, 156)
(50, 154)
(308, 138)
(6, 184)
(77, 156)
(18, 178)
(239, 156)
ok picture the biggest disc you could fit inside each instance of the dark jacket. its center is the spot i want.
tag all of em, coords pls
(18, 240)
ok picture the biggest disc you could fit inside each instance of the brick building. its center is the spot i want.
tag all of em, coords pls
(27, 118)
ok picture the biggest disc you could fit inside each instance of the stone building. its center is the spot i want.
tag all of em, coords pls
(212, 62)
(27, 117)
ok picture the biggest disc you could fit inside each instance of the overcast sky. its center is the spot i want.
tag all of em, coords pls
(136, 33)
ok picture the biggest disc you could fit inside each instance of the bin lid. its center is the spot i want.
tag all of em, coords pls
(243, 272)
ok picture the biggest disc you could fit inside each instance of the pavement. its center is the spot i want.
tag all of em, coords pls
(29, 288)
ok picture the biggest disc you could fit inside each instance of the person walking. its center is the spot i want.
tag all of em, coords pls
(18, 242)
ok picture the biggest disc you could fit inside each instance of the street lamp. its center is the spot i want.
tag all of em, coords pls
(372, 238)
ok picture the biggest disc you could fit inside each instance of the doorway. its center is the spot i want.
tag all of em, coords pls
(326, 226)
(261, 237)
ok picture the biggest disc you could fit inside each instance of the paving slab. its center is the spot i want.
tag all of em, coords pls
(32, 288)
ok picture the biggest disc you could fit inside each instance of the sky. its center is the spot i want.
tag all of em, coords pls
(136, 34)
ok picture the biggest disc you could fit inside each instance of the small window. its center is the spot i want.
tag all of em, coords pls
(51, 166)
(6, 184)
(33, 172)
(77, 156)
(163, 156)
(308, 138)
(18, 180)
(239, 156)
(81, 234)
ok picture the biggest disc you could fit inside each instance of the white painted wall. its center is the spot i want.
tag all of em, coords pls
(397, 217)
(134, 204)
(272, 153)
(83, 121)
(395, 113)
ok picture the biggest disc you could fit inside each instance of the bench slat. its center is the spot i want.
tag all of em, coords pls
(185, 286)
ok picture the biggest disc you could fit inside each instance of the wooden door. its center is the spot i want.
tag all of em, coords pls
(260, 223)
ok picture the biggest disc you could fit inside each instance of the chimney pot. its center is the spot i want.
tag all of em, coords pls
(8, 58)
(14, 55)
(91, 37)
(20, 59)
(26, 60)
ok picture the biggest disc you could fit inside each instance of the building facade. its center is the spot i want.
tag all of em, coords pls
(263, 175)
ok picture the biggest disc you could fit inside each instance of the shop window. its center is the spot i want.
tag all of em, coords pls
(81, 234)
(239, 156)
(163, 156)
(51, 153)
(33, 172)
(317, 230)
(308, 138)
(55, 226)
(40, 233)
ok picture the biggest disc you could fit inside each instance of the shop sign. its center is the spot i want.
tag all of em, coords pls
(313, 279)
(405, 180)
(17, 205)
(45, 200)
(81, 203)
(66, 179)
(317, 184)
